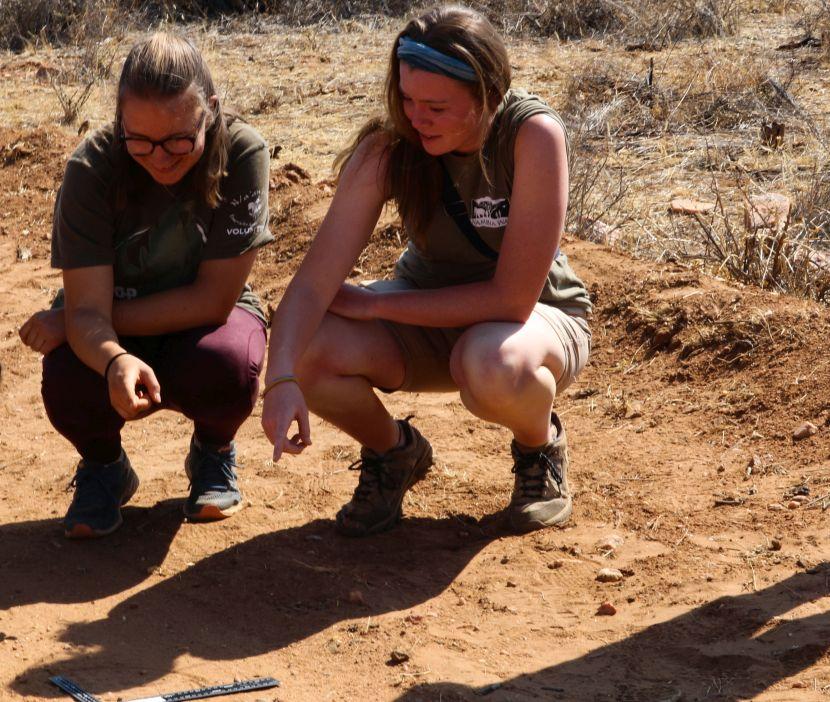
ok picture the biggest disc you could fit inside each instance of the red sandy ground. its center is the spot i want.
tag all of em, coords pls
(693, 392)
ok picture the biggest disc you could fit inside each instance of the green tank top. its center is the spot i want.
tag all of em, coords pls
(447, 257)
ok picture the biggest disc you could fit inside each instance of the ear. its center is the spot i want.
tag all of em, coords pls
(213, 102)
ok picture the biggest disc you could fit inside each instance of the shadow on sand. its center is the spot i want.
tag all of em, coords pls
(733, 648)
(253, 598)
(38, 565)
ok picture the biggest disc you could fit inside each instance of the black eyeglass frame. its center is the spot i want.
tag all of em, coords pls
(153, 144)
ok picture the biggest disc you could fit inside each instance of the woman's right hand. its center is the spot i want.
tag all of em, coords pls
(133, 386)
(282, 406)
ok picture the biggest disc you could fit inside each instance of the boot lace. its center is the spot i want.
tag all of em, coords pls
(374, 477)
(531, 469)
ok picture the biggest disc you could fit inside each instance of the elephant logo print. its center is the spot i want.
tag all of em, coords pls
(490, 213)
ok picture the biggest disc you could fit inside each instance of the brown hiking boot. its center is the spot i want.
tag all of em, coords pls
(384, 480)
(541, 496)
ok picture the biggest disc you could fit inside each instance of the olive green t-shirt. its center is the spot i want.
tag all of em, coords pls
(447, 257)
(161, 234)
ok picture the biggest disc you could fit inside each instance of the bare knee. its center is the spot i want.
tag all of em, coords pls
(494, 372)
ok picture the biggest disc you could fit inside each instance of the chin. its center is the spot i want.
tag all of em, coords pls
(435, 147)
(170, 177)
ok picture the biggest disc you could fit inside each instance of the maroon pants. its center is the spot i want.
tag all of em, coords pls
(209, 374)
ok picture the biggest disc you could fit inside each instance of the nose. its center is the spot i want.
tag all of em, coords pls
(419, 118)
(159, 157)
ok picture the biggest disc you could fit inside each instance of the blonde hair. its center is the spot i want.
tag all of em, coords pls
(413, 177)
(167, 65)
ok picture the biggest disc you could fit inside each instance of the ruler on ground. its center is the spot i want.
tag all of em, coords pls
(81, 695)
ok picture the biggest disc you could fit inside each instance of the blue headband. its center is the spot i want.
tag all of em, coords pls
(421, 56)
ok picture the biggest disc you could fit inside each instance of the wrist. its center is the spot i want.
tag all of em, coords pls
(111, 362)
(278, 380)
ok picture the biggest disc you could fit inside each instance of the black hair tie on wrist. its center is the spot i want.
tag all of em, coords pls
(109, 363)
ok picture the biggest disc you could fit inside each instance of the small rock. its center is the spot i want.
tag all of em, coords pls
(356, 597)
(606, 609)
(511, 583)
(556, 565)
(505, 560)
(684, 205)
(397, 657)
(800, 499)
(805, 431)
(24, 254)
(333, 645)
(610, 543)
(414, 618)
(775, 545)
(609, 575)
(775, 507)
(792, 504)
(800, 685)
(634, 410)
(630, 599)
(710, 578)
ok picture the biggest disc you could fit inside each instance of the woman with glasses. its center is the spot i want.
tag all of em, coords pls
(156, 227)
(482, 301)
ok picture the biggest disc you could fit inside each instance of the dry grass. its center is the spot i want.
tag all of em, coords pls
(646, 125)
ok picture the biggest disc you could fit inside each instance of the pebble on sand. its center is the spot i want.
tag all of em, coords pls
(606, 609)
(609, 575)
(805, 431)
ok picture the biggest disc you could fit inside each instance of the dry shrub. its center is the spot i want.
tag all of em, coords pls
(656, 25)
(95, 34)
(737, 93)
(793, 257)
(598, 188)
(608, 99)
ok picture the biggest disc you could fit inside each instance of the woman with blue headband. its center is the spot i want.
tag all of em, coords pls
(482, 300)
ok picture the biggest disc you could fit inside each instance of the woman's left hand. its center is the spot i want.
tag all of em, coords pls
(354, 302)
(44, 331)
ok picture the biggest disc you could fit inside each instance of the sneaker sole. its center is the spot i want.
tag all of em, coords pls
(522, 524)
(81, 532)
(212, 513)
(421, 469)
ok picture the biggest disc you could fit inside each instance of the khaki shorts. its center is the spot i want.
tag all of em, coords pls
(427, 350)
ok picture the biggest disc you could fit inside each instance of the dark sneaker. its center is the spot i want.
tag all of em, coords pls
(100, 491)
(384, 480)
(541, 496)
(214, 493)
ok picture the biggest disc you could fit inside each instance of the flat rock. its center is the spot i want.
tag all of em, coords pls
(768, 211)
(606, 609)
(685, 205)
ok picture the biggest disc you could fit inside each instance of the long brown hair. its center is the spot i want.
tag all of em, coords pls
(413, 177)
(164, 66)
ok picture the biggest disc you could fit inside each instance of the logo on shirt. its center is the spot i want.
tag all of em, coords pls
(489, 213)
(248, 208)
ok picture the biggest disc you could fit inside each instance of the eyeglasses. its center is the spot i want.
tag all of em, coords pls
(175, 146)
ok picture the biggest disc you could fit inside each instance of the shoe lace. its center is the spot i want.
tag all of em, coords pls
(374, 476)
(216, 470)
(531, 469)
(91, 489)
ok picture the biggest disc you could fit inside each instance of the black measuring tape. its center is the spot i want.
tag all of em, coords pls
(81, 695)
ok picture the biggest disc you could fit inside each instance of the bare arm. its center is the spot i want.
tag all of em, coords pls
(132, 384)
(351, 218)
(537, 217)
(343, 234)
(207, 300)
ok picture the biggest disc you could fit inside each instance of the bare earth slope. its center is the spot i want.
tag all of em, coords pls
(681, 441)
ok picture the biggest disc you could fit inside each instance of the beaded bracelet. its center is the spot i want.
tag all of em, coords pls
(276, 381)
